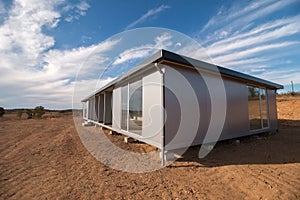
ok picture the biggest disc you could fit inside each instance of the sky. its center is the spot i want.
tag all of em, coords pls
(50, 50)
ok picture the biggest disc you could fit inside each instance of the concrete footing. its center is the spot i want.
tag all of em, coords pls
(110, 132)
(106, 131)
(128, 139)
(87, 123)
(169, 155)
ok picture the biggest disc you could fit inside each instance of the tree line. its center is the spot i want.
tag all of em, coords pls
(37, 112)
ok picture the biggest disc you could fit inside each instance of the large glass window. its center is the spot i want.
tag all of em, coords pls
(135, 107)
(257, 108)
(131, 114)
(124, 107)
(264, 110)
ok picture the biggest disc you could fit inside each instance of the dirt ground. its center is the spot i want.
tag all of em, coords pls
(45, 159)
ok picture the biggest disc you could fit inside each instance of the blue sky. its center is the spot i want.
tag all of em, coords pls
(43, 44)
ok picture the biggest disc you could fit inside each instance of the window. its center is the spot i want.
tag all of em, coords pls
(85, 105)
(135, 107)
(124, 107)
(257, 108)
(131, 107)
(264, 110)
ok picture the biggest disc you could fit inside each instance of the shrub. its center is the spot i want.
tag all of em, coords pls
(39, 111)
(29, 113)
(19, 114)
(2, 112)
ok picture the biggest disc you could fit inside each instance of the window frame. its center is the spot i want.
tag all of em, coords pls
(127, 84)
(260, 89)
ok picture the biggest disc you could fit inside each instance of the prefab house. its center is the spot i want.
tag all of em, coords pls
(172, 101)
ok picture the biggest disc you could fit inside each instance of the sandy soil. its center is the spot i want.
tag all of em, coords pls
(45, 159)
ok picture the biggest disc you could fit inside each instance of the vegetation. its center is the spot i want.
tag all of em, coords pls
(29, 113)
(2, 112)
(39, 111)
(289, 94)
(19, 114)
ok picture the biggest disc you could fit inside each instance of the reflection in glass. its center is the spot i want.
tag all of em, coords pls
(135, 107)
(124, 107)
(254, 108)
(257, 107)
(264, 112)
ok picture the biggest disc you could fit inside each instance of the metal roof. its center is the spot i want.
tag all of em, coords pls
(164, 55)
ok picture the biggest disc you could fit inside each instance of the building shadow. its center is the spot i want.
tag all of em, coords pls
(265, 148)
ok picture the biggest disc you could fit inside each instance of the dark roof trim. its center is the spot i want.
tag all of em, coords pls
(164, 55)
(173, 57)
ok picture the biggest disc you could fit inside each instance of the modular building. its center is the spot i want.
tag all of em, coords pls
(172, 101)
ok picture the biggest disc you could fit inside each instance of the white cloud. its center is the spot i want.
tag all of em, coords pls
(233, 13)
(243, 62)
(83, 6)
(75, 11)
(239, 37)
(147, 15)
(237, 17)
(194, 50)
(283, 76)
(133, 53)
(178, 44)
(22, 31)
(53, 83)
(83, 88)
(222, 59)
(260, 30)
(265, 10)
(33, 74)
(162, 41)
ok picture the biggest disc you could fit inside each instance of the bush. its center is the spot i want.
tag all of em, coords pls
(2, 112)
(29, 113)
(39, 111)
(19, 114)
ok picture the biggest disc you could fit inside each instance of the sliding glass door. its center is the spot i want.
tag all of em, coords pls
(135, 107)
(257, 108)
(124, 107)
(132, 108)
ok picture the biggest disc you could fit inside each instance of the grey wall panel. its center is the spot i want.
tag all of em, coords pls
(237, 120)
(272, 108)
(152, 127)
(183, 107)
(173, 114)
(116, 109)
(179, 94)
(107, 108)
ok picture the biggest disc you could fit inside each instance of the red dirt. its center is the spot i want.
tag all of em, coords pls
(45, 159)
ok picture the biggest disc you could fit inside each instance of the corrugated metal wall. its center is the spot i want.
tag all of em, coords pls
(179, 127)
